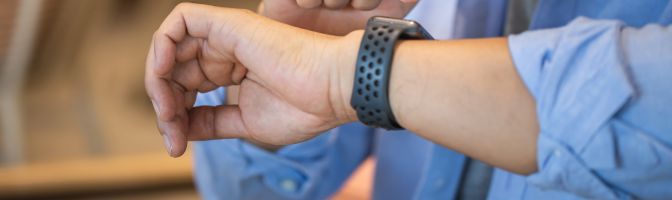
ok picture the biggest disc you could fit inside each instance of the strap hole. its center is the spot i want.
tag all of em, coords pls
(360, 80)
(364, 58)
(375, 95)
(369, 76)
(379, 61)
(382, 49)
(371, 65)
(375, 83)
(373, 54)
(377, 72)
(386, 39)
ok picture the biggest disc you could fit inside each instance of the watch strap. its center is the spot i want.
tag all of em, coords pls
(370, 95)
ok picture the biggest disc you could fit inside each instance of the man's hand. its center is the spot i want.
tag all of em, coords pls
(287, 92)
(295, 84)
(336, 17)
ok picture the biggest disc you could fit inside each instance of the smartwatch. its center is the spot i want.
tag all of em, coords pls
(374, 63)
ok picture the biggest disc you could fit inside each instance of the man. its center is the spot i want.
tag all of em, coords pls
(596, 114)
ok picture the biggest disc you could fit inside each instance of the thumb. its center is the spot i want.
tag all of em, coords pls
(220, 122)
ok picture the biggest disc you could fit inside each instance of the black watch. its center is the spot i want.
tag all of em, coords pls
(370, 92)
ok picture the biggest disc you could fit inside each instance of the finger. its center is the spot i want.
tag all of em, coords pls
(174, 130)
(185, 19)
(365, 4)
(260, 8)
(189, 75)
(336, 4)
(189, 99)
(309, 3)
(219, 122)
(238, 74)
(162, 96)
(175, 141)
(232, 95)
(221, 73)
(188, 49)
(157, 87)
(207, 86)
(181, 100)
(190, 78)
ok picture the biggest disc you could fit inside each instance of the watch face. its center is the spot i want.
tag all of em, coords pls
(410, 29)
(394, 21)
(418, 32)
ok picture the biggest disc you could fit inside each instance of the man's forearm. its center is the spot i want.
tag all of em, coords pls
(294, 84)
(465, 95)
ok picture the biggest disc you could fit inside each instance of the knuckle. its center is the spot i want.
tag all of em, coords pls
(334, 4)
(183, 5)
(309, 3)
(156, 34)
(364, 4)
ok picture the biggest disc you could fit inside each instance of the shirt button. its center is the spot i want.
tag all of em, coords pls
(288, 185)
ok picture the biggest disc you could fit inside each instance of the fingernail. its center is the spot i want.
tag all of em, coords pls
(156, 108)
(168, 144)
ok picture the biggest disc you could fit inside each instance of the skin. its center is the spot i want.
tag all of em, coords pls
(334, 17)
(465, 95)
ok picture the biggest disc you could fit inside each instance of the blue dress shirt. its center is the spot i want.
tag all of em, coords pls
(600, 72)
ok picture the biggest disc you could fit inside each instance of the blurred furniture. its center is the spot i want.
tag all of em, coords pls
(75, 121)
(16, 58)
(94, 176)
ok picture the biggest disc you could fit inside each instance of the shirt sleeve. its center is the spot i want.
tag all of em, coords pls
(603, 94)
(315, 169)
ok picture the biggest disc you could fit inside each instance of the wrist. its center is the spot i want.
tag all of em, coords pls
(342, 75)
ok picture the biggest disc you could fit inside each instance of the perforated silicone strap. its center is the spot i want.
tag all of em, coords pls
(370, 92)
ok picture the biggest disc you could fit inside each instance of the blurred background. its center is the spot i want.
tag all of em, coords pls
(75, 122)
